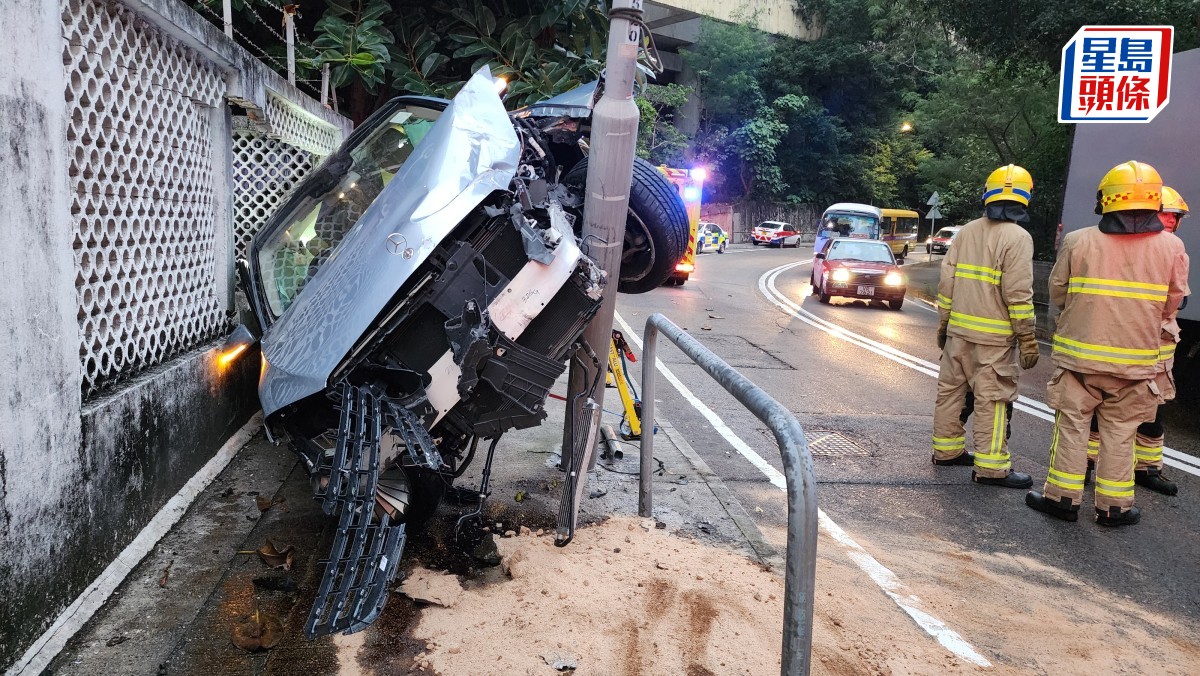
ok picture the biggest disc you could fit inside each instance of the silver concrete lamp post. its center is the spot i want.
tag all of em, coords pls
(610, 173)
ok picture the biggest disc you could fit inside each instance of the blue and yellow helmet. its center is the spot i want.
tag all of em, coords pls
(1008, 183)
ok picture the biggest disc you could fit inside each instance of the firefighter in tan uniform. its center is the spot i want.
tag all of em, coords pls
(985, 300)
(1117, 284)
(1148, 444)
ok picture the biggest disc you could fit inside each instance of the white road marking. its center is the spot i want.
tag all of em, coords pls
(47, 647)
(766, 286)
(925, 305)
(880, 574)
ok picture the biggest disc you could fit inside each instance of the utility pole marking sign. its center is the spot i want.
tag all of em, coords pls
(1116, 74)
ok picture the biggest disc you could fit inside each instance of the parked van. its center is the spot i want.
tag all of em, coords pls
(899, 229)
(847, 219)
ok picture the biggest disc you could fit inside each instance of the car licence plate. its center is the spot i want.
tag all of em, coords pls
(866, 291)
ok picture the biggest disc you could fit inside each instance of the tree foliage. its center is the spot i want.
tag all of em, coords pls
(542, 47)
(659, 140)
(740, 127)
(377, 49)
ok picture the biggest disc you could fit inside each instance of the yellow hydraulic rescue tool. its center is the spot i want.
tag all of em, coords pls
(618, 376)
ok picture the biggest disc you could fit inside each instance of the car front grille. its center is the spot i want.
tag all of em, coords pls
(866, 277)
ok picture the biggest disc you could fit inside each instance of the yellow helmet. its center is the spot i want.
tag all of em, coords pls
(1008, 183)
(1129, 186)
(1172, 201)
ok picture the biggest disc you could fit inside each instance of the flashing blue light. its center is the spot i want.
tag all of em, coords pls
(691, 193)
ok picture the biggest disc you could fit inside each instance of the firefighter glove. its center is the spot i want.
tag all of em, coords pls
(1029, 350)
(941, 335)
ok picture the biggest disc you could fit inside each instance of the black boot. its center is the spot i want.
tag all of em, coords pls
(1091, 470)
(1063, 509)
(1115, 517)
(1154, 480)
(1013, 480)
(962, 459)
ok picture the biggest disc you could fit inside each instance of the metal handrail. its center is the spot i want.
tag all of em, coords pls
(801, 567)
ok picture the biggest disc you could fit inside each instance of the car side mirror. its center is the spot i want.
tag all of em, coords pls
(821, 256)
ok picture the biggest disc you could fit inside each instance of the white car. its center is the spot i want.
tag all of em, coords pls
(775, 233)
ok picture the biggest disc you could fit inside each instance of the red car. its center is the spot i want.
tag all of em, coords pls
(940, 242)
(858, 268)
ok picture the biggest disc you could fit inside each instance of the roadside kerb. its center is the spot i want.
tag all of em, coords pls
(801, 564)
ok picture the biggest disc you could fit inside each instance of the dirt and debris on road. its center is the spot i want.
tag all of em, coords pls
(432, 587)
(605, 605)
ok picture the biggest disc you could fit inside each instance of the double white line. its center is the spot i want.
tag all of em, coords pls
(766, 286)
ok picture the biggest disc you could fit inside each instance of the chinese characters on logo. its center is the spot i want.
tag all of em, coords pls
(1116, 74)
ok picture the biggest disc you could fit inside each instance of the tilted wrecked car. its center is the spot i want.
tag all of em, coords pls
(420, 292)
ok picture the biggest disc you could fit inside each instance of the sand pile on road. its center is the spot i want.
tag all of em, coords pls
(621, 599)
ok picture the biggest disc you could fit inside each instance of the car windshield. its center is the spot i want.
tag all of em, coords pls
(334, 198)
(772, 225)
(849, 225)
(870, 252)
(945, 234)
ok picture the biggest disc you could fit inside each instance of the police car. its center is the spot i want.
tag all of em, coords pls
(710, 237)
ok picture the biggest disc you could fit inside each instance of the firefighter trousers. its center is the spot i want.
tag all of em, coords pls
(990, 372)
(1119, 405)
(1148, 444)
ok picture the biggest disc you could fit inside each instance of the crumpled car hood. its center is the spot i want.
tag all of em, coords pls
(471, 151)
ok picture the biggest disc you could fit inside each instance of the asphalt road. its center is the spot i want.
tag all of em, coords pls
(881, 484)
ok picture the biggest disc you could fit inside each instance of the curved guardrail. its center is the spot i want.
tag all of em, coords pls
(801, 567)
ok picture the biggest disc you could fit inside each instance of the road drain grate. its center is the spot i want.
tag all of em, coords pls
(823, 443)
(827, 444)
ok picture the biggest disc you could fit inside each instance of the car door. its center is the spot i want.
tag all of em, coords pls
(818, 271)
(790, 236)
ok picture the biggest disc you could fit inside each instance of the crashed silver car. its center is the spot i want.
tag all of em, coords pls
(420, 292)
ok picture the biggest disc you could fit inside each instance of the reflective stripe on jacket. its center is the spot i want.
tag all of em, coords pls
(1118, 295)
(986, 288)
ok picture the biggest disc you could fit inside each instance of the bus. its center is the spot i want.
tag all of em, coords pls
(899, 230)
(848, 219)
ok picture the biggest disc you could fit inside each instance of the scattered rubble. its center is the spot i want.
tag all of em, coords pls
(432, 587)
(561, 663)
(485, 552)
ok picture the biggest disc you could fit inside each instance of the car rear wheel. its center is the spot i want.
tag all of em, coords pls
(756, 242)
(721, 248)
(895, 304)
(656, 231)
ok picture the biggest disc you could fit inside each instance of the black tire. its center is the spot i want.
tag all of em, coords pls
(755, 242)
(656, 232)
(822, 296)
(928, 250)
(721, 248)
(895, 304)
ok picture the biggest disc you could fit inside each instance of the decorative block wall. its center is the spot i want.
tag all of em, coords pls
(139, 139)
